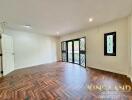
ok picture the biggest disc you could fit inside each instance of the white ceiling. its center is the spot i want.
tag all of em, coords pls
(64, 16)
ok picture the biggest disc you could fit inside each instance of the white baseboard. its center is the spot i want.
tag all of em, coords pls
(16, 68)
(109, 70)
(113, 71)
(129, 76)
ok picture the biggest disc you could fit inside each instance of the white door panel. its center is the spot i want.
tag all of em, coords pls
(8, 62)
(8, 54)
(7, 43)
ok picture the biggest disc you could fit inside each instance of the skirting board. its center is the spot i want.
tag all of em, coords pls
(112, 71)
(109, 70)
(130, 78)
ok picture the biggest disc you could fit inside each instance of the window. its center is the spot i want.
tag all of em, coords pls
(110, 44)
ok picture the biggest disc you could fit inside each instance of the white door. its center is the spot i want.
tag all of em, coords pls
(7, 54)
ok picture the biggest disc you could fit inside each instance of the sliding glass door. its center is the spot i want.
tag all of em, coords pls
(74, 51)
(70, 51)
(82, 52)
(64, 51)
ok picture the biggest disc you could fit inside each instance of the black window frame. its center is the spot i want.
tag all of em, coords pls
(114, 44)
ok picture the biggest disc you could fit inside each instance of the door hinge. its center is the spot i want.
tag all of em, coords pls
(1, 54)
(2, 72)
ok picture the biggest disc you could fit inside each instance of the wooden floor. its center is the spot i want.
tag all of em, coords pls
(63, 81)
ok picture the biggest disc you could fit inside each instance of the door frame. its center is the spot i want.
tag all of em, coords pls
(72, 40)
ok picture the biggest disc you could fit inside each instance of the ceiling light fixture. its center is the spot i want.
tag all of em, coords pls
(58, 33)
(90, 19)
(27, 26)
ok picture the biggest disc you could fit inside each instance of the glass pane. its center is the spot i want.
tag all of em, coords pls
(64, 57)
(82, 44)
(64, 46)
(76, 52)
(110, 44)
(69, 51)
(82, 59)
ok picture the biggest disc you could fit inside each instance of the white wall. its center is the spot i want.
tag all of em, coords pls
(58, 49)
(32, 49)
(130, 43)
(95, 46)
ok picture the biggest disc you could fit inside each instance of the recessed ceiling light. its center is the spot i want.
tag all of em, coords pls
(58, 33)
(27, 26)
(90, 19)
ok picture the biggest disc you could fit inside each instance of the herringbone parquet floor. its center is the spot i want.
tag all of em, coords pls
(62, 81)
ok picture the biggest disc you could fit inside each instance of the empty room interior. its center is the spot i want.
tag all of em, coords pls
(65, 49)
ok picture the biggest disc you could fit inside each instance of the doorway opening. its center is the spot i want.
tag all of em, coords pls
(74, 51)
